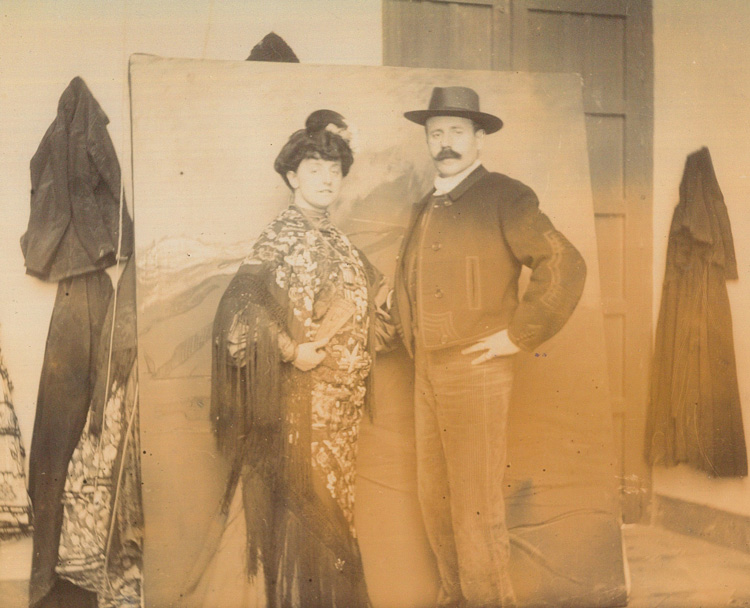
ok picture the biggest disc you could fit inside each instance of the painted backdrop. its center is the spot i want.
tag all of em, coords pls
(205, 134)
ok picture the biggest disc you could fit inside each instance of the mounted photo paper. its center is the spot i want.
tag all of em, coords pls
(205, 136)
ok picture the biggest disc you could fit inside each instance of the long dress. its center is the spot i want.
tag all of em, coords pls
(291, 436)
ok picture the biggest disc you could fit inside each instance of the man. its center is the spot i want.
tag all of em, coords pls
(457, 307)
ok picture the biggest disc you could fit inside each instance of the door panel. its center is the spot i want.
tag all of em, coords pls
(606, 42)
(606, 141)
(466, 34)
(610, 234)
(590, 45)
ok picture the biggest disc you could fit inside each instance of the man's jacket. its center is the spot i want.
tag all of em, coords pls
(457, 274)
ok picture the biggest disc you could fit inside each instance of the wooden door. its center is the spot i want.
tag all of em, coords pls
(609, 43)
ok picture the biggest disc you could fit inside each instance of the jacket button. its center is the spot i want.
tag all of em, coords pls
(443, 339)
(436, 205)
(438, 293)
(436, 246)
(448, 202)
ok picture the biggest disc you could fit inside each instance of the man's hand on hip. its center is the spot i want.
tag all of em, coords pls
(496, 345)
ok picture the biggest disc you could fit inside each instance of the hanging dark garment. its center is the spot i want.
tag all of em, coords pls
(65, 390)
(76, 228)
(75, 193)
(695, 415)
(273, 48)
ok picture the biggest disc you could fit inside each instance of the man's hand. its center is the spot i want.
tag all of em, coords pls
(310, 355)
(496, 345)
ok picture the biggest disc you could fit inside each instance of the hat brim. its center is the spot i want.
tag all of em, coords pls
(487, 122)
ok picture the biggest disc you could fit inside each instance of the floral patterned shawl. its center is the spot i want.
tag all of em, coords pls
(281, 287)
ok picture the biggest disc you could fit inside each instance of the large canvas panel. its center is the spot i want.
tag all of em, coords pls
(205, 134)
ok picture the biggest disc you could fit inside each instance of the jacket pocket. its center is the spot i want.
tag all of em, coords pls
(473, 283)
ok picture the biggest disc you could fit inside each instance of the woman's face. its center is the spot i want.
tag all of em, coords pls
(316, 183)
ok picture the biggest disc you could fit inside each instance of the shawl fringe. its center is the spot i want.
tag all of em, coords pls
(261, 417)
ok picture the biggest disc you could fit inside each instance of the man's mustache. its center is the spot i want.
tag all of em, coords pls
(447, 153)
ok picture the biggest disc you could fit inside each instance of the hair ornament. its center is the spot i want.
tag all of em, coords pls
(329, 120)
(347, 133)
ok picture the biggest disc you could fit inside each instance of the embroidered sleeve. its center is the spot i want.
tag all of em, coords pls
(287, 347)
(558, 272)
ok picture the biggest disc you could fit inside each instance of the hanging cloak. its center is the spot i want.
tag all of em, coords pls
(76, 226)
(695, 415)
(75, 193)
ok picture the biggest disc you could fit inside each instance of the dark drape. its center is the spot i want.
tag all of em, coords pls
(76, 228)
(695, 415)
(74, 222)
(65, 390)
(273, 48)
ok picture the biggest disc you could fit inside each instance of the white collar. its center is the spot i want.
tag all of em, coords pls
(443, 185)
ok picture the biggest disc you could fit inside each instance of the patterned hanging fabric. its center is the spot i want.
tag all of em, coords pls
(101, 537)
(15, 507)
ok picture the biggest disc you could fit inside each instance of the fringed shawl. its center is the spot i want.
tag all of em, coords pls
(260, 413)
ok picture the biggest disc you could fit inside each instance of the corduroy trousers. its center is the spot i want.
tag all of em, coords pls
(461, 413)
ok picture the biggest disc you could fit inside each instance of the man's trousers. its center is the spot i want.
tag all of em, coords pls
(461, 415)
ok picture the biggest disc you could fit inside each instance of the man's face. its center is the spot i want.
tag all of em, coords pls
(453, 143)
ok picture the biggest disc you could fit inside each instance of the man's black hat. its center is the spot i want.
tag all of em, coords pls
(456, 101)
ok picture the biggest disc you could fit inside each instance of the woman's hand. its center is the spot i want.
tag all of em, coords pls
(310, 355)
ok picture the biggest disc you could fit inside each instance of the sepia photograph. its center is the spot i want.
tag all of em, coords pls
(387, 303)
(214, 275)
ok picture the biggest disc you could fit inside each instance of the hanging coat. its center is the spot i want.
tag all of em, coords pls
(73, 235)
(75, 193)
(695, 415)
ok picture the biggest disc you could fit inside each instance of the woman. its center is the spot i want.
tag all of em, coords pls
(294, 337)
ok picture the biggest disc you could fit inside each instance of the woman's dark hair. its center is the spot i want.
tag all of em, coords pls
(315, 141)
